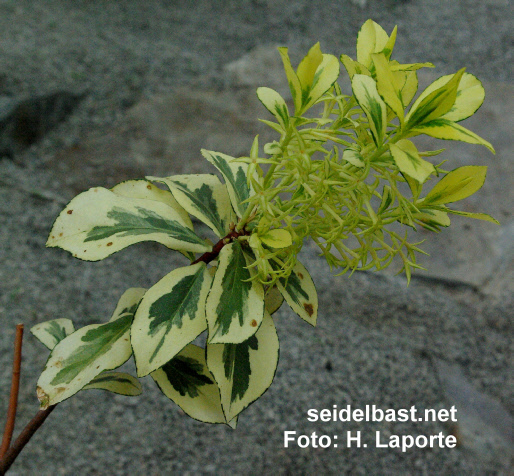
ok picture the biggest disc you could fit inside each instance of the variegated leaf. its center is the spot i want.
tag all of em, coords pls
(244, 371)
(365, 91)
(457, 185)
(273, 300)
(353, 67)
(80, 357)
(432, 219)
(128, 303)
(300, 293)
(395, 66)
(470, 96)
(204, 197)
(235, 305)
(50, 333)
(277, 238)
(406, 157)
(387, 86)
(353, 157)
(187, 381)
(307, 68)
(275, 104)
(294, 83)
(116, 382)
(99, 222)
(170, 316)
(372, 38)
(325, 76)
(476, 216)
(235, 175)
(434, 103)
(449, 130)
(148, 191)
(408, 83)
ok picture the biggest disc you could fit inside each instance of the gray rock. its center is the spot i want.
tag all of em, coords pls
(483, 425)
(26, 121)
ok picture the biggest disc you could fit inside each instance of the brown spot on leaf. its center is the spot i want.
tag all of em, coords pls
(110, 243)
(300, 275)
(149, 187)
(308, 307)
(60, 389)
(253, 323)
(53, 237)
(60, 234)
(69, 212)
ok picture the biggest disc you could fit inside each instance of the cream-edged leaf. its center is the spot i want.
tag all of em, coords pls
(457, 185)
(308, 66)
(294, 83)
(372, 38)
(99, 222)
(408, 83)
(365, 91)
(80, 357)
(275, 104)
(273, 300)
(116, 382)
(277, 238)
(449, 130)
(434, 102)
(353, 67)
(470, 96)
(387, 86)
(235, 175)
(353, 157)
(235, 305)
(432, 219)
(395, 66)
(148, 191)
(187, 381)
(325, 76)
(170, 316)
(204, 197)
(244, 371)
(477, 216)
(300, 293)
(50, 333)
(406, 157)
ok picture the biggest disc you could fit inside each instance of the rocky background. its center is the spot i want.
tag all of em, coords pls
(92, 93)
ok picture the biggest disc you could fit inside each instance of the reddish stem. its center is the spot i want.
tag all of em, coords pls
(213, 254)
(15, 387)
(23, 439)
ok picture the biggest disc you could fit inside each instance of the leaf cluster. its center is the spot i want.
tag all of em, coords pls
(343, 171)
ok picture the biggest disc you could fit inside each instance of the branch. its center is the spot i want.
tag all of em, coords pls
(23, 439)
(213, 254)
(15, 387)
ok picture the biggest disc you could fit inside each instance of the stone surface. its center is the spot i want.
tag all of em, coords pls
(484, 426)
(24, 121)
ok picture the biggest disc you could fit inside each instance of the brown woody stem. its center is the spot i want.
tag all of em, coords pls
(23, 439)
(15, 387)
(213, 254)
